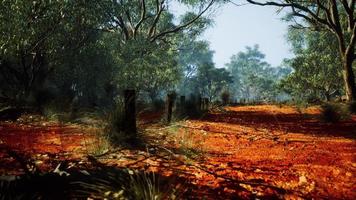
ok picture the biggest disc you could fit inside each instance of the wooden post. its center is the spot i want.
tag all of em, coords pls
(169, 106)
(129, 123)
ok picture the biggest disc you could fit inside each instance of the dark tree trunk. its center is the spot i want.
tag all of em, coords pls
(129, 124)
(327, 96)
(349, 78)
(169, 106)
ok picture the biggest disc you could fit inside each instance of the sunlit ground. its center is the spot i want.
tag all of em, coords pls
(238, 152)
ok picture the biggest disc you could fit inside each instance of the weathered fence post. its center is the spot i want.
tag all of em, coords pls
(129, 123)
(169, 106)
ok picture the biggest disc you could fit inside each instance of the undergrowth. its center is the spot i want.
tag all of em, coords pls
(108, 183)
(188, 143)
(333, 113)
(98, 143)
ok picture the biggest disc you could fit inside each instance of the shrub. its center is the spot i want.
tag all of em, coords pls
(225, 97)
(129, 184)
(191, 107)
(334, 112)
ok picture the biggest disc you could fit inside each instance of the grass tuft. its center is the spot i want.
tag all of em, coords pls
(333, 113)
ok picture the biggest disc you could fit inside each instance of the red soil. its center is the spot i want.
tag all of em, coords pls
(243, 152)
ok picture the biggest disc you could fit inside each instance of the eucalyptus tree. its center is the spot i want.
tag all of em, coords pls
(336, 16)
(244, 66)
(316, 66)
(34, 35)
(253, 78)
(148, 32)
(192, 55)
(210, 81)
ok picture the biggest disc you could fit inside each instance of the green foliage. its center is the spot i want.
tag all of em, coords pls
(225, 97)
(200, 74)
(86, 51)
(316, 68)
(34, 35)
(253, 78)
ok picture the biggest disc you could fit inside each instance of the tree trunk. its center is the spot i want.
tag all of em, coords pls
(129, 124)
(349, 78)
(327, 96)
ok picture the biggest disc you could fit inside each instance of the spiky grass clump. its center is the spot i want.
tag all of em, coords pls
(189, 144)
(99, 142)
(129, 185)
(225, 97)
(115, 123)
(333, 113)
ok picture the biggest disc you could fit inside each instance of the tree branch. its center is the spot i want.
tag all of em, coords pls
(143, 14)
(159, 9)
(292, 5)
(178, 28)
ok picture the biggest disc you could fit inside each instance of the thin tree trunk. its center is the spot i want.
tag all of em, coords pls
(349, 78)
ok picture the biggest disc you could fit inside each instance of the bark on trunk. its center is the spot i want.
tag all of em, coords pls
(169, 106)
(349, 78)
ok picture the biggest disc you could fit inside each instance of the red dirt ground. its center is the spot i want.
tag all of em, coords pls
(241, 152)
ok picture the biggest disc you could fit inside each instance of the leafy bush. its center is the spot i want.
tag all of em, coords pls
(334, 112)
(225, 97)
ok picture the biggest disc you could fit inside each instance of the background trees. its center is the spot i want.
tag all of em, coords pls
(337, 17)
(35, 35)
(253, 78)
(316, 67)
(88, 51)
(147, 34)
